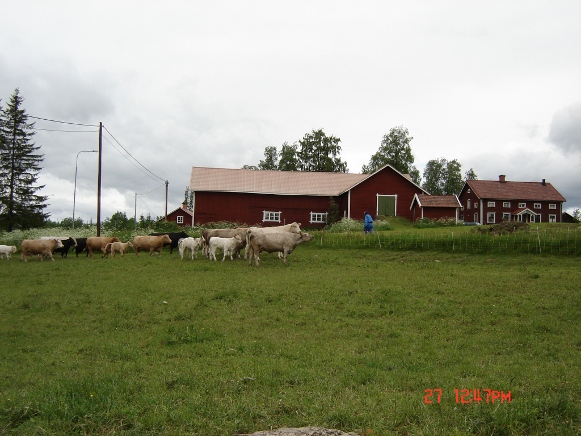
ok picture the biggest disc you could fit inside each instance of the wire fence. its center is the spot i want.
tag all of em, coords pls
(533, 241)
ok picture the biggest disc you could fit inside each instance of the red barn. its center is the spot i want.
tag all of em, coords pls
(278, 197)
(436, 206)
(181, 216)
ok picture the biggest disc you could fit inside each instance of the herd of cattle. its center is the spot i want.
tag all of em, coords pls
(279, 239)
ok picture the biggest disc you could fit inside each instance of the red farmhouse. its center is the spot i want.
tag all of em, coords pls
(491, 201)
(278, 197)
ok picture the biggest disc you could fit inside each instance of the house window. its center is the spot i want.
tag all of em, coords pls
(552, 206)
(506, 204)
(522, 205)
(469, 191)
(180, 219)
(318, 217)
(476, 205)
(269, 216)
(476, 217)
(491, 204)
(537, 205)
(506, 216)
(468, 204)
(552, 218)
(490, 217)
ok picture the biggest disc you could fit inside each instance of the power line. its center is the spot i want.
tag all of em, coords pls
(67, 131)
(130, 161)
(140, 164)
(63, 122)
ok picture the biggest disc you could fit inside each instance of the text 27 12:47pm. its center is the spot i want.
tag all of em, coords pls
(468, 396)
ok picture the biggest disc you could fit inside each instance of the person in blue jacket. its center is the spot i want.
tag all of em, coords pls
(367, 223)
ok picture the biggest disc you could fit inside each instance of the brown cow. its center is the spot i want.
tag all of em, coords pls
(41, 247)
(151, 243)
(284, 242)
(95, 243)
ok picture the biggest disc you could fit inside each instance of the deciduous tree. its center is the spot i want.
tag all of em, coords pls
(320, 153)
(443, 177)
(396, 151)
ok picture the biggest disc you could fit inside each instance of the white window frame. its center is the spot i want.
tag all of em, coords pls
(537, 206)
(318, 217)
(491, 204)
(506, 204)
(522, 205)
(270, 216)
(491, 215)
(506, 216)
(468, 204)
(475, 205)
(180, 219)
(476, 217)
(552, 218)
(552, 206)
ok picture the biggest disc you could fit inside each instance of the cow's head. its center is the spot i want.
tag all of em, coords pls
(166, 239)
(59, 244)
(295, 227)
(116, 239)
(306, 237)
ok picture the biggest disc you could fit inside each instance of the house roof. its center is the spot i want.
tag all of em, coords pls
(425, 200)
(186, 211)
(273, 182)
(533, 191)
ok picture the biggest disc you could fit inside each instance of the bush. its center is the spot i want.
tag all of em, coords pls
(421, 223)
(503, 228)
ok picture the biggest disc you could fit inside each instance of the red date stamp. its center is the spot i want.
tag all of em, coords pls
(468, 396)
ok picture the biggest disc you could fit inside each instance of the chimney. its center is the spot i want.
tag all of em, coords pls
(543, 182)
(502, 178)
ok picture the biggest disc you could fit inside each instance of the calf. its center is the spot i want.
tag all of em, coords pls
(7, 250)
(151, 243)
(42, 247)
(174, 239)
(229, 245)
(207, 234)
(99, 243)
(121, 247)
(284, 242)
(191, 244)
(81, 246)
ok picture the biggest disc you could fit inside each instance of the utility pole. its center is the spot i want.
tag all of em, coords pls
(166, 187)
(99, 179)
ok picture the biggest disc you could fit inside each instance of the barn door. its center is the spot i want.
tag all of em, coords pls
(386, 205)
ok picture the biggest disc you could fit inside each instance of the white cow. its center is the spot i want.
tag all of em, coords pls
(284, 242)
(7, 250)
(191, 244)
(229, 245)
(290, 228)
(42, 247)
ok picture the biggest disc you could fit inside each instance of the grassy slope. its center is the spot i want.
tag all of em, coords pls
(349, 339)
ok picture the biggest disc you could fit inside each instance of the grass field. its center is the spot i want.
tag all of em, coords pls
(356, 339)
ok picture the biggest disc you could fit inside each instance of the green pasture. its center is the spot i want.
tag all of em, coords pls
(359, 338)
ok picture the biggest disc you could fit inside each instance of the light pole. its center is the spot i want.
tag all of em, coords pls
(75, 191)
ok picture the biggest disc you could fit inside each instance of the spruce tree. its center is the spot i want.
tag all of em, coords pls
(20, 206)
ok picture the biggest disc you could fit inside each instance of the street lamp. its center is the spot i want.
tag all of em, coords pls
(75, 192)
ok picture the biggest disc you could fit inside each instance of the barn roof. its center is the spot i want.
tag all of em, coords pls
(425, 200)
(273, 182)
(508, 190)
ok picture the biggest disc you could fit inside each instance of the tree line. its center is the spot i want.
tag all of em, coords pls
(318, 152)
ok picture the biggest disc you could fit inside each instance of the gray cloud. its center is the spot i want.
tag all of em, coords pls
(565, 130)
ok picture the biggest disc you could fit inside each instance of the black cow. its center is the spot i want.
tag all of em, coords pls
(81, 245)
(67, 244)
(175, 237)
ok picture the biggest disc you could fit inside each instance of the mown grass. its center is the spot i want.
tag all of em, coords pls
(340, 338)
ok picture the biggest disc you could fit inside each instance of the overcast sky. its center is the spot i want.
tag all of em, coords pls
(495, 85)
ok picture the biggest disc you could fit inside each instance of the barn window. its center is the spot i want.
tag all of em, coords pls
(490, 218)
(537, 205)
(269, 216)
(552, 206)
(180, 219)
(319, 217)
